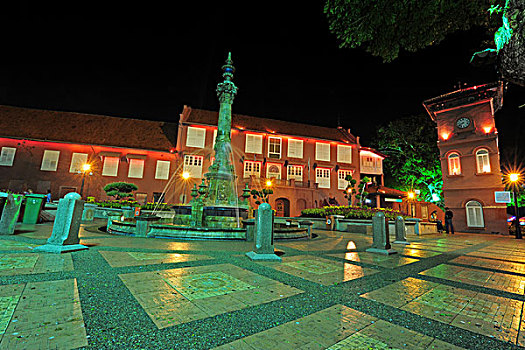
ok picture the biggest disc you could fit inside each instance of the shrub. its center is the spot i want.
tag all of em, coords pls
(120, 190)
(350, 212)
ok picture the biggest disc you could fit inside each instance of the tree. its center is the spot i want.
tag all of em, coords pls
(120, 190)
(384, 27)
(412, 162)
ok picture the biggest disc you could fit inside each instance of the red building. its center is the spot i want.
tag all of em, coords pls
(306, 164)
(45, 150)
(468, 144)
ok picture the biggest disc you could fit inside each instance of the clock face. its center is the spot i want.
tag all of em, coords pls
(463, 122)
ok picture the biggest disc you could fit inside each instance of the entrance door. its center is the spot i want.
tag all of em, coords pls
(282, 206)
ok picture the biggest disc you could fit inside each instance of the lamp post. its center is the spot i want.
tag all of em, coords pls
(185, 177)
(411, 196)
(86, 167)
(515, 179)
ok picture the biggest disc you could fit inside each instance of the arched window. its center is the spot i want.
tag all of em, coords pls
(482, 160)
(474, 214)
(454, 165)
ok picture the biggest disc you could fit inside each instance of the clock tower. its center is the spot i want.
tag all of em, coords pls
(468, 146)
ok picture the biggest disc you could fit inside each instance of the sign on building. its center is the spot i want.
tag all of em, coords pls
(502, 197)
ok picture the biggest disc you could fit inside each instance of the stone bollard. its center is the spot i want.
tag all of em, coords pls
(381, 237)
(10, 214)
(89, 212)
(308, 224)
(263, 249)
(66, 226)
(401, 237)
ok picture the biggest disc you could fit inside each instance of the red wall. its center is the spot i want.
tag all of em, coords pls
(26, 174)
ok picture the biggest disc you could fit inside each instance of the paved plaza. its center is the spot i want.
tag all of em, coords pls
(440, 292)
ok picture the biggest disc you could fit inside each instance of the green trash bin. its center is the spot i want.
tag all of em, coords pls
(33, 207)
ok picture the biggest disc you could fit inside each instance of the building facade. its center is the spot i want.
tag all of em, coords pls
(468, 145)
(304, 165)
(45, 150)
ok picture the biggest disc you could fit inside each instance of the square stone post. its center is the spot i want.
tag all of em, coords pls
(381, 236)
(10, 214)
(263, 249)
(401, 237)
(66, 226)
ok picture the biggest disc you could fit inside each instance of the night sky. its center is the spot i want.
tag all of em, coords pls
(147, 62)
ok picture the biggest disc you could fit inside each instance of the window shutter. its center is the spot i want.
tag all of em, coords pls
(253, 144)
(50, 160)
(295, 148)
(136, 168)
(110, 167)
(77, 160)
(7, 156)
(344, 154)
(195, 137)
(322, 151)
(162, 170)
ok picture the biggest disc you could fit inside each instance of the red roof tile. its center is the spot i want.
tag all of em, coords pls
(34, 124)
(244, 122)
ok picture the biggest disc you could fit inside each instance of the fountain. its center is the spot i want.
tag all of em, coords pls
(215, 210)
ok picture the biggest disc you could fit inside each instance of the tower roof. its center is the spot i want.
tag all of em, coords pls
(464, 97)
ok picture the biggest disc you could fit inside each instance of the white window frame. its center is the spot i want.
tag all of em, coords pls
(193, 165)
(295, 172)
(136, 168)
(322, 151)
(344, 154)
(253, 144)
(110, 166)
(483, 161)
(274, 175)
(162, 170)
(252, 168)
(50, 160)
(195, 137)
(273, 152)
(454, 164)
(7, 156)
(295, 148)
(342, 184)
(77, 161)
(322, 177)
(474, 213)
(214, 138)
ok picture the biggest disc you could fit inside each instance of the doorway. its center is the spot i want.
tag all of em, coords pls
(282, 207)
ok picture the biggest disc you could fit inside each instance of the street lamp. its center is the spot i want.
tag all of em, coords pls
(86, 168)
(515, 179)
(185, 177)
(411, 196)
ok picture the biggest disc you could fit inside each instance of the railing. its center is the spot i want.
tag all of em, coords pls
(260, 182)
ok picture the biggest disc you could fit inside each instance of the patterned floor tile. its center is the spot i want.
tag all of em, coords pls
(388, 261)
(120, 259)
(31, 263)
(55, 320)
(176, 296)
(319, 270)
(15, 245)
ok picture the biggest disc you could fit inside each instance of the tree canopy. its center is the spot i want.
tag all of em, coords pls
(384, 27)
(412, 162)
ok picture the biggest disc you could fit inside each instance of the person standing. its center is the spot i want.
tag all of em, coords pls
(48, 196)
(448, 220)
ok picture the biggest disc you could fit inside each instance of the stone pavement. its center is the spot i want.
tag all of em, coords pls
(440, 292)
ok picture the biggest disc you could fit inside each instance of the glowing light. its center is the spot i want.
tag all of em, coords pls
(351, 245)
(411, 195)
(487, 129)
(185, 175)
(445, 136)
(435, 197)
(514, 177)
(86, 167)
(269, 183)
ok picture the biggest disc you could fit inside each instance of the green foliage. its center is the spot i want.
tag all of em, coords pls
(384, 27)
(350, 212)
(360, 192)
(262, 196)
(120, 190)
(413, 156)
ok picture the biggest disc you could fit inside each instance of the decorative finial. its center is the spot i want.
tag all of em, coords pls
(228, 69)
